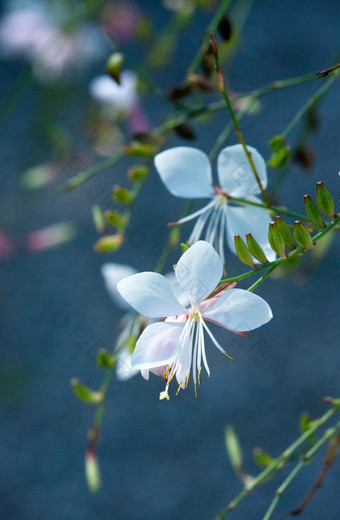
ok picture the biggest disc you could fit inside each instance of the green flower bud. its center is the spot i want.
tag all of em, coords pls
(140, 149)
(285, 232)
(85, 393)
(92, 471)
(105, 359)
(122, 195)
(324, 199)
(138, 173)
(109, 243)
(279, 158)
(255, 249)
(114, 66)
(276, 240)
(262, 458)
(313, 213)
(242, 251)
(98, 218)
(302, 236)
(116, 219)
(277, 142)
(234, 449)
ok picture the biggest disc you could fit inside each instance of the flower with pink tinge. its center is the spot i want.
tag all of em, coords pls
(178, 342)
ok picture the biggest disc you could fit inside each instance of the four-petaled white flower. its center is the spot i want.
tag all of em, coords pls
(186, 173)
(178, 342)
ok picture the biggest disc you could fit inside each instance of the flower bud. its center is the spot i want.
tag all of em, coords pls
(234, 449)
(138, 173)
(122, 195)
(285, 232)
(116, 219)
(109, 243)
(114, 66)
(105, 359)
(139, 149)
(85, 393)
(98, 218)
(213, 45)
(302, 236)
(92, 471)
(242, 251)
(184, 130)
(276, 240)
(225, 28)
(255, 249)
(313, 213)
(199, 82)
(279, 158)
(324, 199)
(277, 142)
(180, 92)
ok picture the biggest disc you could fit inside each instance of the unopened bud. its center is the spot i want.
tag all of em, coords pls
(180, 92)
(304, 156)
(92, 471)
(313, 213)
(98, 218)
(199, 82)
(277, 142)
(85, 393)
(174, 237)
(225, 28)
(139, 149)
(116, 219)
(213, 44)
(302, 236)
(109, 243)
(255, 249)
(285, 232)
(105, 359)
(279, 158)
(276, 240)
(114, 66)
(123, 195)
(242, 251)
(324, 199)
(138, 173)
(184, 130)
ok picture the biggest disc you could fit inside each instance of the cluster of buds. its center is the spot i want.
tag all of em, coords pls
(280, 235)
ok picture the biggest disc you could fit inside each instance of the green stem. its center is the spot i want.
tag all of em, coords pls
(276, 209)
(278, 463)
(276, 263)
(263, 277)
(312, 100)
(236, 124)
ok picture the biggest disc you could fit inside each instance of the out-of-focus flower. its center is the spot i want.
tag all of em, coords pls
(7, 247)
(121, 20)
(50, 236)
(186, 172)
(32, 34)
(178, 342)
(121, 100)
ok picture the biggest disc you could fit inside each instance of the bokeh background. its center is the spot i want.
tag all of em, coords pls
(160, 459)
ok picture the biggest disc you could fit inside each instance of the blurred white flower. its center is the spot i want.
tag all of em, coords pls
(32, 34)
(124, 96)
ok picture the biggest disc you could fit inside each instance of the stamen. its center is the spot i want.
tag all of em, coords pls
(187, 382)
(199, 376)
(180, 386)
(195, 390)
(164, 394)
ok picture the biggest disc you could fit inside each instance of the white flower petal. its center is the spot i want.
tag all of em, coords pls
(105, 90)
(112, 274)
(239, 310)
(185, 172)
(249, 219)
(198, 271)
(151, 294)
(156, 345)
(235, 174)
(124, 370)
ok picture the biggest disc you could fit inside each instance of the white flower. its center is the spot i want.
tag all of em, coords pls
(33, 34)
(132, 324)
(178, 342)
(124, 96)
(186, 172)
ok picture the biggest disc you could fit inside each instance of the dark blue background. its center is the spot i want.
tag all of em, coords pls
(165, 459)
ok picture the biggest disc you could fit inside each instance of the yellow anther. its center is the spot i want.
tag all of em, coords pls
(199, 376)
(227, 355)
